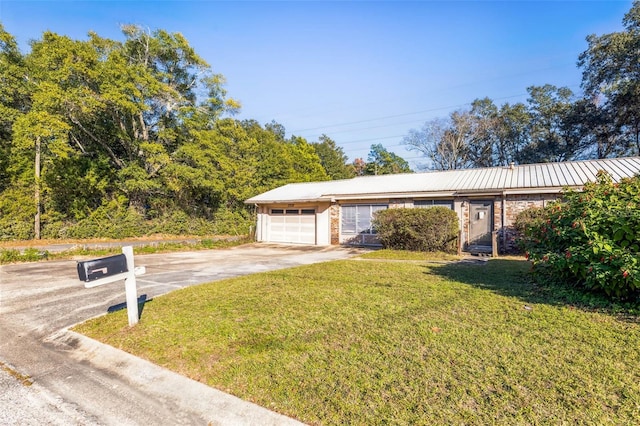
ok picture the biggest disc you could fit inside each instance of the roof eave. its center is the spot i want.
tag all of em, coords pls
(433, 194)
(289, 201)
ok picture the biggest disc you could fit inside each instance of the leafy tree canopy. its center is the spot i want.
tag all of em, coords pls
(140, 125)
(382, 162)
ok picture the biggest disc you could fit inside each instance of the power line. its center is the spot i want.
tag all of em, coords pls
(395, 124)
(329, 126)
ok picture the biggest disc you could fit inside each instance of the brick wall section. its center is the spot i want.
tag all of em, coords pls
(515, 204)
(497, 222)
(465, 223)
(334, 213)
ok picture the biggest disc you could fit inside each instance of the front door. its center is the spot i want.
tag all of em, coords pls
(480, 223)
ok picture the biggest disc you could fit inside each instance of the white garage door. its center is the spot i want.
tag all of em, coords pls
(292, 226)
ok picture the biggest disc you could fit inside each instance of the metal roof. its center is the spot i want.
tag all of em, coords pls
(526, 178)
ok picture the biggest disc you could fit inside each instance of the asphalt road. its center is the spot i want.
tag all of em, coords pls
(50, 375)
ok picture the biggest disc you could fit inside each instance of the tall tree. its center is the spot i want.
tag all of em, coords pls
(611, 70)
(482, 125)
(382, 162)
(306, 163)
(333, 158)
(549, 136)
(511, 134)
(14, 98)
(85, 119)
(60, 74)
(443, 141)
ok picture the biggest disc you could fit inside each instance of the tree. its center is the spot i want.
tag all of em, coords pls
(443, 141)
(333, 159)
(359, 166)
(17, 207)
(136, 128)
(483, 136)
(511, 134)
(382, 162)
(482, 123)
(277, 129)
(611, 70)
(82, 121)
(426, 139)
(59, 73)
(13, 98)
(549, 138)
(164, 75)
(305, 161)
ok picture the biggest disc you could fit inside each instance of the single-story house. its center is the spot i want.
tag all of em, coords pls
(485, 199)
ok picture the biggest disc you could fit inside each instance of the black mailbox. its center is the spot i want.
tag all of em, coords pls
(90, 270)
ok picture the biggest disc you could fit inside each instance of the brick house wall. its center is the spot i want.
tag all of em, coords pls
(515, 204)
(503, 224)
(334, 214)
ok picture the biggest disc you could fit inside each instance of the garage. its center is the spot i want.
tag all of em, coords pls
(292, 226)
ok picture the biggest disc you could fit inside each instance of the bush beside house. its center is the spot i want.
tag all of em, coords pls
(591, 238)
(417, 229)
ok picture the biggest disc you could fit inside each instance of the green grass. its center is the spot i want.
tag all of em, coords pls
(390, 254)
(372, 342)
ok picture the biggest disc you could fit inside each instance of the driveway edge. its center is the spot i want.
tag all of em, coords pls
(212, 405)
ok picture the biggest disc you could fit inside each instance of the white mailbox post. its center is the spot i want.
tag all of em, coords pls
(111, 269)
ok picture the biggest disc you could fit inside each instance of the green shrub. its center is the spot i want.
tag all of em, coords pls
(17, 213)
(432, 229)
(224, 222)
(33, 254)
(114, 219)
(534, 216)
(15, 229)
(232, 222)
(29, 255)
(111, 220)
(9, 255)
(591, 238)
(177, 222)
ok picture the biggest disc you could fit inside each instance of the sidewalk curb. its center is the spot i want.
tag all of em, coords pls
(195, 398)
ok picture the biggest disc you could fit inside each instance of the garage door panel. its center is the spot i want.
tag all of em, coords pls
(293, 228)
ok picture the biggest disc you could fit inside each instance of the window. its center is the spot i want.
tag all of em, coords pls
(425, 204)
(356, 219)
(291, 212)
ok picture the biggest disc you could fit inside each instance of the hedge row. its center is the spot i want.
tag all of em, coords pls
(115, 220)
(417, 229)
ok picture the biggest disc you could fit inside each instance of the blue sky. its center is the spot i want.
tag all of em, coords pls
(360, 72)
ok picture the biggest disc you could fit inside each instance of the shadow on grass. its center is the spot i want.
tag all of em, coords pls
(142, 300)
(513, 278)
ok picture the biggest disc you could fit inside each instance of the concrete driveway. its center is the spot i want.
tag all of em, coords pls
(50, 375)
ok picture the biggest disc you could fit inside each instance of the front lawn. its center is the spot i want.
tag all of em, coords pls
(374, 342)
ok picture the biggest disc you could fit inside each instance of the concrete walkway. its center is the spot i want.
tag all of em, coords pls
(50, 375)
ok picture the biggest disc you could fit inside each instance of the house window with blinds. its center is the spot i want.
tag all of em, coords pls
(356, 219)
